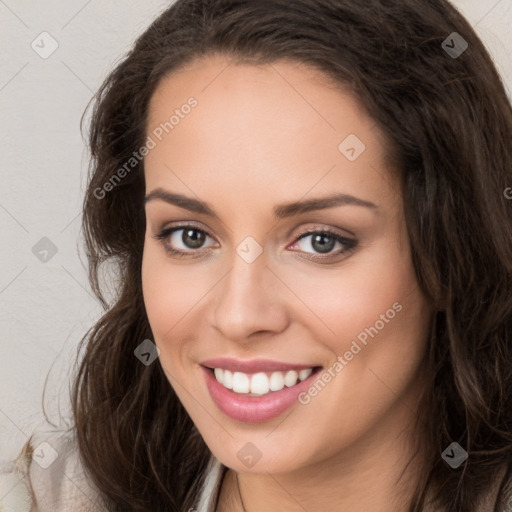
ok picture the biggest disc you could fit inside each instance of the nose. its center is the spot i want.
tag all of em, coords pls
(249, 300)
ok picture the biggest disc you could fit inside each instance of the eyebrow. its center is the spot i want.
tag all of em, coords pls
(280, 212)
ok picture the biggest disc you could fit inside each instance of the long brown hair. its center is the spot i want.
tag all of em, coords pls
(450, 123)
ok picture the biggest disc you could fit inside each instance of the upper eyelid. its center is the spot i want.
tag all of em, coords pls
(315, 230)
(310, 230)
(182, 226)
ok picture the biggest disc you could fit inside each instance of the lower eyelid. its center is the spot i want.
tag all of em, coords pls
(347, 247)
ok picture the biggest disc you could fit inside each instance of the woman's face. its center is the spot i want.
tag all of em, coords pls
(292, 254)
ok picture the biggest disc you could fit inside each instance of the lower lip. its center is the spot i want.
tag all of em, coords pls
(254, 409)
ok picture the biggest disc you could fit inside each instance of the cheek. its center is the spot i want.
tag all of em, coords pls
(335, 304)
(173, 293)
(339, 303)
(164, 294)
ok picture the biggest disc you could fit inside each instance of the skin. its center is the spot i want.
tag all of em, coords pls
(262, 136)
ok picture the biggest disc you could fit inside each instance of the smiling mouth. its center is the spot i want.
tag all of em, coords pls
(261, 383)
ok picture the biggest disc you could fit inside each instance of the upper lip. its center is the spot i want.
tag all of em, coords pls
(254, 365)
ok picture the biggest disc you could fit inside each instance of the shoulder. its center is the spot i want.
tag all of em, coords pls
(48, 476)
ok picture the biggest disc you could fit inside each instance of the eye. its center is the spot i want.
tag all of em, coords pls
(322, 243)
(183, 240)
(187, 240)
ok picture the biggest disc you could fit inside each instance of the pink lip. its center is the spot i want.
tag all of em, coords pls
(254, 409)
(254, 366)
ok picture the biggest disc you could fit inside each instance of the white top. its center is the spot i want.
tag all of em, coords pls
(47, 476)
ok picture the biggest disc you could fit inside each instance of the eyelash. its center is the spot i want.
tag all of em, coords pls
(349, 244)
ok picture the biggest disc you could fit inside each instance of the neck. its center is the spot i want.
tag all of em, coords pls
(377, 473)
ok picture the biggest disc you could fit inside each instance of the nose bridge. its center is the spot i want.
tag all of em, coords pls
(243, 279)
(247, 301)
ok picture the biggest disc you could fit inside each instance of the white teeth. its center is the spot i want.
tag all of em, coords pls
(304, 374)
(259, 383)
(227, 379)
(290, 379)
(218, 373)
(276, 381)
(240, 382)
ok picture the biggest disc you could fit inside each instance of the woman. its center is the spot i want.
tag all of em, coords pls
(306, 204)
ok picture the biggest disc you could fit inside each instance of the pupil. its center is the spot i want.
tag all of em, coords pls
(323, 243)
(193, 241)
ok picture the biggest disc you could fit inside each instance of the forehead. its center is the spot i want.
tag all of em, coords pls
(257, 127)
(289, 92)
